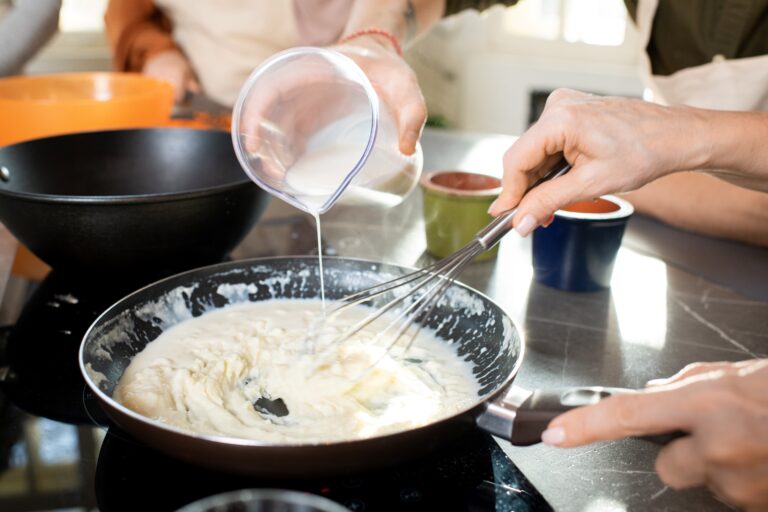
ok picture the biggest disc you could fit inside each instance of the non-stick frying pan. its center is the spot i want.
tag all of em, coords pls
(122, 200)
(482, 333)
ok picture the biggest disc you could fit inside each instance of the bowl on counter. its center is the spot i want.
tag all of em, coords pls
(45, 105)
(577, 251)
(455, 207)
(148, 200)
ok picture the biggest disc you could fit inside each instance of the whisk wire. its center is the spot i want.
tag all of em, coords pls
(426, 276)
(427, 299)
(439, 276)
(434, 300)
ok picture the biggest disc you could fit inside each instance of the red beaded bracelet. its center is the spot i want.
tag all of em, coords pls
(374, 32)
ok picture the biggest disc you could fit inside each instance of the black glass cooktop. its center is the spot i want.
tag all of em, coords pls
(58, 450)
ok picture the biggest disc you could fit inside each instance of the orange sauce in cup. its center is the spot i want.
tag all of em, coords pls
(595, 206)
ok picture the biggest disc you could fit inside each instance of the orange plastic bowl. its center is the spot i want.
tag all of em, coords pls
(43, 105)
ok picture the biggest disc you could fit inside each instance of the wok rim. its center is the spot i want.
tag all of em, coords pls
(111, 403)
(243, 182)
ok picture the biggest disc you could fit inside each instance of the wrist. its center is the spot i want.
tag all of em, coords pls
(738, 141)
(708, 137)
(693, 140)
(379, 36)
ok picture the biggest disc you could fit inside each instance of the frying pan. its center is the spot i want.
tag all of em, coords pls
(106, 202)
(482, 333)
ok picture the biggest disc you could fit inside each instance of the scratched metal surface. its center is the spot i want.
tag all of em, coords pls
(655, 319)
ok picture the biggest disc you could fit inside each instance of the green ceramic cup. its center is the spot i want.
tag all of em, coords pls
(456, 208)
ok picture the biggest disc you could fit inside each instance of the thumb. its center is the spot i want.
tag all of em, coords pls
(543, 201)
(411, 119)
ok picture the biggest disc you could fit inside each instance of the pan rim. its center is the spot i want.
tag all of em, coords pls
(159, 197)
(127, 200)
(253, 443)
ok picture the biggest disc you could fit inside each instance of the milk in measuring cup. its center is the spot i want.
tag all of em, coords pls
(389, 176)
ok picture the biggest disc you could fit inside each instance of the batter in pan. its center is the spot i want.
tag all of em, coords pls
(248, 371)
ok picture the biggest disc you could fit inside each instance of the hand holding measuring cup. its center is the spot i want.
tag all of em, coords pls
(308, 127)
(395, 82)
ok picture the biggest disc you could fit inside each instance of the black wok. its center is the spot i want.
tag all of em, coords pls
(484, 335)
(165, 198)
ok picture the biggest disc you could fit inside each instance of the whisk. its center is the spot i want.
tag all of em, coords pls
(427, 285)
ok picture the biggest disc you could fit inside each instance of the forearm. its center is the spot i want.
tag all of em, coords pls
(24, 30)
(707, 205)
(735, 146)
(393, 16)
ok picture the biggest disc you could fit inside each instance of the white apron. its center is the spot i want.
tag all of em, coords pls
(227, 39)
(737, 84)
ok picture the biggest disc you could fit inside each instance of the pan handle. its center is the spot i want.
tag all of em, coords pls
(521, 415)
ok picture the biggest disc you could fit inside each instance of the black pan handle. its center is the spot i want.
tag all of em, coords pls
(522, 415)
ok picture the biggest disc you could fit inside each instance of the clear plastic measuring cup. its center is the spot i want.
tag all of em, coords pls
(309, 128)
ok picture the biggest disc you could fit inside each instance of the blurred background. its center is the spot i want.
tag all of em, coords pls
(519, 55)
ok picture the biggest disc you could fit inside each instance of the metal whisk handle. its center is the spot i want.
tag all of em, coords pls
(501, 225)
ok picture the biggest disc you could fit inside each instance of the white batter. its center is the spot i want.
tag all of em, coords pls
(205, 374)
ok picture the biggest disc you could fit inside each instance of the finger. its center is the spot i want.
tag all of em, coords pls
(411, 119)
(529, 153)
(633, 414)
(745, 487)
(680, 464)
(690, 370)
(696, 369)
(541, 203)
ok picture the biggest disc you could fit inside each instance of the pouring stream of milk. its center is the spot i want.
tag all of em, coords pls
(317, 175)
(320, 261)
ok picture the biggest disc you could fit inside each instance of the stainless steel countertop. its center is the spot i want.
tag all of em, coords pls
(656, 318)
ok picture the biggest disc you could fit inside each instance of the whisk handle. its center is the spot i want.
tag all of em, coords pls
(501, 225)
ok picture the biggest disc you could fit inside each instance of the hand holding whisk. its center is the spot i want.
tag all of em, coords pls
(412, 297)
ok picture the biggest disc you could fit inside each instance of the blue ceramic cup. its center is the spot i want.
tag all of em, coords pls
(577, 251)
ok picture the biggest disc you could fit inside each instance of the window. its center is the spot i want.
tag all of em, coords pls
(595, 22)
(82, 15)
(573, 30)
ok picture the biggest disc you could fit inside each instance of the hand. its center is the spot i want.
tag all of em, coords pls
(394, 81)
(723, 407)
(173, 67)
(614, 144)
(276, 123)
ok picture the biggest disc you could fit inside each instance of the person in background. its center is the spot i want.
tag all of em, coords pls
(619, 145)
(212, 47)
(25, 27)
(704, 53)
